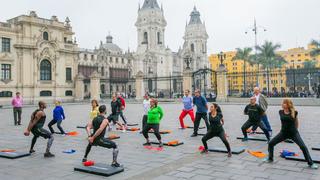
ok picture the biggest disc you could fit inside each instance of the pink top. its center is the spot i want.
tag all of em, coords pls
(17, 102)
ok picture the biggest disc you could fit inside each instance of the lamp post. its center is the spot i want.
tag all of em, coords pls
(222, 57)
(255, 30)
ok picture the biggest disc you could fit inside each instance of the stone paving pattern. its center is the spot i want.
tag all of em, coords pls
(182, 162)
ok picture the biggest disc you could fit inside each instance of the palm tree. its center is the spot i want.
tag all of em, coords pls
(268, 58)
(316, 51)
(244, 55)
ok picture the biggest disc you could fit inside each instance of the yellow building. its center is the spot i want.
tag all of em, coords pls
(295, 57)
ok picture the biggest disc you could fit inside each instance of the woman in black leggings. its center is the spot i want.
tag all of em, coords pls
(289, 130)
(216, 129)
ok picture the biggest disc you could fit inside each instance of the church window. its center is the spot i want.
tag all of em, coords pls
(159, 38)
(45, 36)
(145, 38)
(192, 47)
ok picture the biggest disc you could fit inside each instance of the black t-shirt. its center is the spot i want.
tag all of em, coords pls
(41, 121)
(254, 112)
(115, 106)
(215, 122)
(96, 123)
(288, 122)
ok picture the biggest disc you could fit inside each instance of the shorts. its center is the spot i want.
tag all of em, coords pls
(41, 132)
(113, 118)
(104, 142)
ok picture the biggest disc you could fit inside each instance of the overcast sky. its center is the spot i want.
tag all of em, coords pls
(289, 22)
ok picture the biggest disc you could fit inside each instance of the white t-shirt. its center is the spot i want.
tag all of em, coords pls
(146, 106)
(257, 99)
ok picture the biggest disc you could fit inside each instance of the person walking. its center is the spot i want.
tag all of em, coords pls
(201, 103)
(17, 103)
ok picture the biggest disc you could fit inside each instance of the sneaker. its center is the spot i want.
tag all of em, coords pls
(123, 130)
(147, 144)
(48, 155)
(194, 135)
(245, 139)
(115, 164)
(267, 160)
(63, 135)
(32, 151)
(84, 160)
(314, 166)
(160, 144)
(205, 151)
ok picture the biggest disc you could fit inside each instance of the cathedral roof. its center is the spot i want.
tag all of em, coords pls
(110, 46)
(195, 17)
(150, 4)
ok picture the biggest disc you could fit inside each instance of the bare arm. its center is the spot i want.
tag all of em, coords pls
(103, 125)
(34, 120)
(89, 127)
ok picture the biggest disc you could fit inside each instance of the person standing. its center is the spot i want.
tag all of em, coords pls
(123, 106)
(202, 108)
(146, 108)
(216, 129)
(115, 112)
(58, 116)
(38, 119)
(254, 111)
(187, 108)
(263, 103)
(289, 130)
(155, 114)
(17, 103)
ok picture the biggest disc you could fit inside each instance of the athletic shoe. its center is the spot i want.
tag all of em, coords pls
(314, 166)
(245, 139)
(267, 160)
(63, 135)
(84, 160)
(115, 164)
(48, 155)
(205, 151)
(194, 135)
(32, 151)
(123, 130)
(160, 144)
(147, 144)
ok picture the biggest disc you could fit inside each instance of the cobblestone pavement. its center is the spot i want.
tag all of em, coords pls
(182, 162)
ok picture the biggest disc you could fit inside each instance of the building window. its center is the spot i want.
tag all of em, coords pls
(145, 38)
(159, 38)
(85, 88)
(45, 36)
(102, 71)
(122, 60)
(68, 74)
(65, 39)
(6, 44)
(45, 70)
(85, 57)
(68, 93)
(129, 61)
(5, 94)
(5, 71)
(92, 57)
(117, 60)
(45, 93)
(110, 59)
(192, 47)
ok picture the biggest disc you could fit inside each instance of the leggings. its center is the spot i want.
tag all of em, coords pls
(249, 123)
(155, 128)
(183, 114)
(265, 121)
(124, 119)
(37, 132)
(106, 143)
(200, 116)
(295, 136)
(144, 121)
(210, 134)
(52, 122)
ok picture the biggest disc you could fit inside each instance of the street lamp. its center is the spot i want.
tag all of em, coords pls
(222, 57)
(255, 29)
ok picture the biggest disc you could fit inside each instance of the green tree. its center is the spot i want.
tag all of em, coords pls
(309, 64)
(245, 56)
(269, 59)
(316, 51)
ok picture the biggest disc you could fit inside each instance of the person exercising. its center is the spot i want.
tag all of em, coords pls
(254, 111)
(99, 125)
(187, 108)
(115, 112)
(38, 118)
(216, 128)
(202, 109)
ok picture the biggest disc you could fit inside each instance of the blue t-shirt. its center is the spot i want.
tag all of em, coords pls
(187, 102)
(58, 113)
(201, 104)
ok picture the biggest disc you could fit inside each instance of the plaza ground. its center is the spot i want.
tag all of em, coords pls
(182, 162)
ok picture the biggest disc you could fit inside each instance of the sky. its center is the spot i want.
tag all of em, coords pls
(292, 23)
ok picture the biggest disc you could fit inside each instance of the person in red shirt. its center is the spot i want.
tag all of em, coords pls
(123, 106)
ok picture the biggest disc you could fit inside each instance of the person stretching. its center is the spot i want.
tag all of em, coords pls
(99, 125)
(187, 108)
(216, 129)
(58, 116)
(155, 115)
(115, 112)
(289, 130)
(201, 113)
(38, 118)
(254, 111)
(123, 106)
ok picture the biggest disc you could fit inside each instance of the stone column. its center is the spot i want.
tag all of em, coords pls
(140, 92)
(187, 80)
(222, 84)
(95, 86)
(79, 87)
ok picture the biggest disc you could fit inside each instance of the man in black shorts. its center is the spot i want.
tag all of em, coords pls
(254, 111)
(99, 125)
(38, 118)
